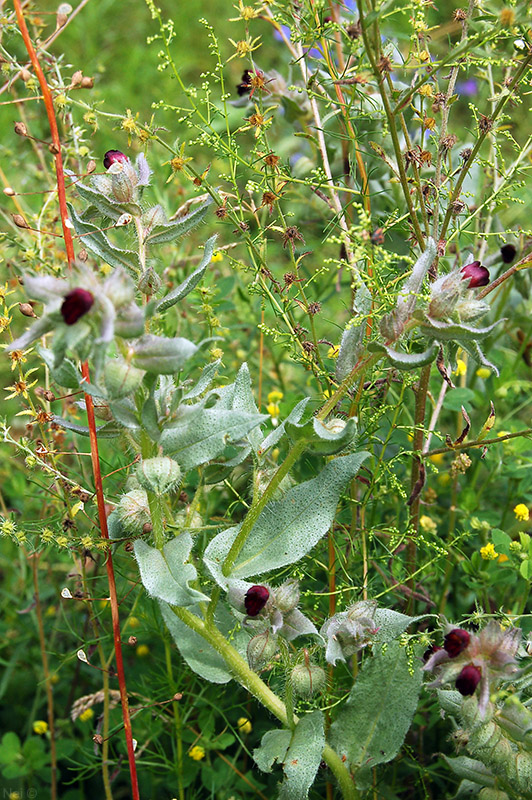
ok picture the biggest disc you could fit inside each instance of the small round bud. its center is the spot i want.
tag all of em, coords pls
(307, 679)
(9, 191)
(133, 511)
(261, 649)
(114, 156)
(120, 378)
(468, 680)
(76, 304)
(508, 253)
(91, 166)
(86, 82)
(255, 600)
(132, 641)
(25, 75)
(159, 475)
(286, 596)
(20, 129)
(456, 642)
(83, 255)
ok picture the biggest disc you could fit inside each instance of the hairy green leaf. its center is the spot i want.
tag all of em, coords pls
(191, 282)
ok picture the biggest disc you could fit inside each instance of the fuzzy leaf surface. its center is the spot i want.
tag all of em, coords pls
(176, 228)
(303, 757)
(287, 529)
(166, 574)
(97, 242)
(371, 733)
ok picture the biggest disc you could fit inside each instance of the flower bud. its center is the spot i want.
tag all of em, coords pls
(468, 680)
(76, 304)
(307, 679)
(469, 310)
(508, 253)
(159, 475)
(123, 182)
(113, 156)
(149, 282)
(255, 600)
(26, 309)
(286, 596)
(476, 274)
(456, 642)
(133, 511)
(261, 649)
(120, 378)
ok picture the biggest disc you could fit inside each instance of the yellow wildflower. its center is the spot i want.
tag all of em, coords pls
(142, 650)
(488, 552)
(14, 795)
(216, 257)
(427, 524)
(332, 352)
(521, 512)
(437, 458)
(244, 47)
(197, 752)
(40, 727)
(274, 396)
(483, 372)
(461, 367)
(502, 558)
(246, 12)
(86, 715)
(425, 90)
(272, 409)
(244, 725)
(424, 55)
(62, 541)
(133, 622)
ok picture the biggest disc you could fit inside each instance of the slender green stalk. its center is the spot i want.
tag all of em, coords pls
(256, 686)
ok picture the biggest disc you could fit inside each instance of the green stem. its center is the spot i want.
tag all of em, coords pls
(156, 513)
(177, 723)
(256, 686)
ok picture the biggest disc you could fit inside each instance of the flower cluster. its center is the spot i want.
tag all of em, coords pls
(349, 631)
(472, 660)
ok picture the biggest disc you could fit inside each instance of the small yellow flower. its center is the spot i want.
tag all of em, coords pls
(272, 409)
(197, 752)
(488, 552)
(14, 795)
(244, 725)
(40, 727)
(425, 90)
(483, 372)
(275, 396)
(51, 611)
(8, 527)
(246, 12)
(216, 257)
(427, 524)
(244, 47)
(133, 622)
(86, 715)
(62, 541)
(424, 55)
(502, 558)
(216, 353)
(106, 269)
(521, 512)
(461, 367)
(332, 352)
(142, 650)
(47, 535)
(437, 458)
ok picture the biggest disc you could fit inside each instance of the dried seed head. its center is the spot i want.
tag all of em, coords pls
(354, 31)
(19, 221)
(465, 153)
(63, 12)
(271, 160)
(314, 308)
(460, 15)
(76, 304)
(91, 166)
(384, 64)
(448, 142)
(76, 78)
(86, 82)
(485, 124)
(132, 641)
(20, 129)
(83, 255)
(26, 309)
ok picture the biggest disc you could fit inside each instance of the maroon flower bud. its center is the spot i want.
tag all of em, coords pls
(255, 600)
(76, 304)
(468, 680)
(112, 156)
(456, 641)
(476, 274)
(508, 253)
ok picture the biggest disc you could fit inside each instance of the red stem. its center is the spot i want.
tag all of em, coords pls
(69, 246)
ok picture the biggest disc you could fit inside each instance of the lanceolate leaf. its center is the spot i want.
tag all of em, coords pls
(97, 242)
(191, 282)
(202, 434)
(176, 228)
(107, 431)
(303, 757)
(412, 360)
(105, 206)
(449, 330)
(294, 416)
(372, 726)
(208, 374)
(287, 529)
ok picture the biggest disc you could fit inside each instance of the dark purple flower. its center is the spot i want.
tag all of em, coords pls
(430, 652)
(476, 274)
(508, 253)
(455, 642)
(76, 304)
(255, 600)
(113, 156)
(468, 680)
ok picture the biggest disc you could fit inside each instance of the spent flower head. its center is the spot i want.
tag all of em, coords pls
(349, 631)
